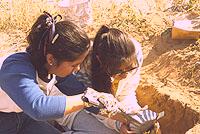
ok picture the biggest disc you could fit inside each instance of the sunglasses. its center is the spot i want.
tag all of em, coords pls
(122, 72)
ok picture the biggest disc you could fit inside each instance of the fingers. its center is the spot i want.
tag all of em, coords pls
(101, 100)
(90, 96)
(145, 120)
(125, 130)
(156, 129)
(110, 104)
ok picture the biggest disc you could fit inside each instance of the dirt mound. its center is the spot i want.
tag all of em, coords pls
(171, 70)
(176, 60)
(171, 82)
(181, 111)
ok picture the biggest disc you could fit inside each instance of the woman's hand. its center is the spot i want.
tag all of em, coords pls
(106, 102)
(124, 129)
(156, 129)
(145, 121)
(91, 97)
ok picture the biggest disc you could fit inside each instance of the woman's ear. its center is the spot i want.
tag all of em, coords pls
(50, 59)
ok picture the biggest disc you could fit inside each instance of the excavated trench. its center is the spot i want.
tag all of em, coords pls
(179, 115)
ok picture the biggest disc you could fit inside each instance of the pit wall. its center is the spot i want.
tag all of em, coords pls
(178, 119)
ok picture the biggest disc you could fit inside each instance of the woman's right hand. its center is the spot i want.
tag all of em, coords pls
(91, 97)
(94, 97)
(124, 129)
(105, 101)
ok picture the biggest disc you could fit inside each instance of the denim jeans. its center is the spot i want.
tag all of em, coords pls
(20, 123)
(85, 123)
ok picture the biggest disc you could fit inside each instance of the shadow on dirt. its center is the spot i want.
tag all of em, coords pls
(164, 43)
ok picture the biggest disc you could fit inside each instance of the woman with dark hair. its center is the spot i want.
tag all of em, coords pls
(116, 60)
(55, 48)
(113, 66)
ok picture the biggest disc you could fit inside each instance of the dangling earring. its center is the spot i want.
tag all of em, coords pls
(53, 63)
(49, 76)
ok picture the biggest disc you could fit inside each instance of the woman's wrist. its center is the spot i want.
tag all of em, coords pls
(74, 103)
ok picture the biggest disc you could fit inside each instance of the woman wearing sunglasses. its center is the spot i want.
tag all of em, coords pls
(113, 66)
(116, 61)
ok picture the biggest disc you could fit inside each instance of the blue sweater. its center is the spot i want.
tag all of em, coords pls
(18, 80)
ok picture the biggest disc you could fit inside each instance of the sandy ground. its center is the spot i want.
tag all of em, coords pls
(170, 73)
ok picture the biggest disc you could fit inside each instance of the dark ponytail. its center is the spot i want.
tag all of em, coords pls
(64, 40)
(111, 48)
(100, 79)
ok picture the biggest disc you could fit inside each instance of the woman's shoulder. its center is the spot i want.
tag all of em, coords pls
(138, 49)
(17, 62)
(20, 56)
(137, 45)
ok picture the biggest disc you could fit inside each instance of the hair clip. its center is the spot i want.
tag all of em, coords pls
(39, 26)
(49, 76)
(104, 35)
(56, 18)
(49, 21)
(55, 38)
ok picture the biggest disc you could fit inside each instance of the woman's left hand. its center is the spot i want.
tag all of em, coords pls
(124, 129)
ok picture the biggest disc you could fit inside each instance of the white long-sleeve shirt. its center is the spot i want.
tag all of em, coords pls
(125, 91)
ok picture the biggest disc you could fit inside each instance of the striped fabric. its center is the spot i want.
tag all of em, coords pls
(144, 121)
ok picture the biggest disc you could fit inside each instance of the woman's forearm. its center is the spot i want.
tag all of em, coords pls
(74, 103)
